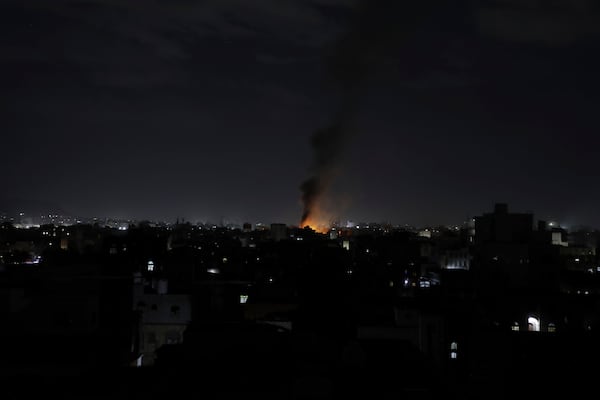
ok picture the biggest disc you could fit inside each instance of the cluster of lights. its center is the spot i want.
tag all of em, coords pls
(453, 350)
(34, 261)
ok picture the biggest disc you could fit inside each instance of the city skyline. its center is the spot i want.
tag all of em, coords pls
(22, 219)
(207, 110)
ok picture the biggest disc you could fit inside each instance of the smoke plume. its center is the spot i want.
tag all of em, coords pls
(326, 146)
(379, 28)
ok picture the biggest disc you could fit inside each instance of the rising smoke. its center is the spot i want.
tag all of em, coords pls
(377, 32)
(326, 146)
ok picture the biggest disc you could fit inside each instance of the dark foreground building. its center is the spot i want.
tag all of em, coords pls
(498, 308)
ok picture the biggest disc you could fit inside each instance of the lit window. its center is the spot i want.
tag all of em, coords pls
(551, 327)
(453, 355)
(150, 266)
(454, 346)
(515, 327)
(243, 298)
(533, 324)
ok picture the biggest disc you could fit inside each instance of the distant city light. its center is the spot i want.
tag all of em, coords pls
(35, 260)
(213, 271)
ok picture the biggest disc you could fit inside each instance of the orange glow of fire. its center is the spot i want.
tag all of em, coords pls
(315, 225)
(318, 221)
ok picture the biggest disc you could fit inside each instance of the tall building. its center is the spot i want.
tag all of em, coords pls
(502, 245)
(503, 227)
(278, 232)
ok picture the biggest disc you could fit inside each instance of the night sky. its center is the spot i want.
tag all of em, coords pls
(205, 109)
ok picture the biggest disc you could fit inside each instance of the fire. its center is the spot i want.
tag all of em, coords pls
(318, 220)
(316, 225)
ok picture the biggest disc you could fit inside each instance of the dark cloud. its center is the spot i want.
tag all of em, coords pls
(294, 20)
(552, 23)
(148, 44)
